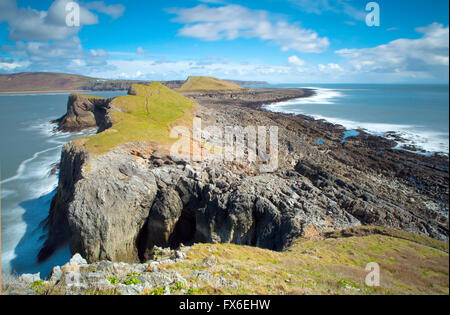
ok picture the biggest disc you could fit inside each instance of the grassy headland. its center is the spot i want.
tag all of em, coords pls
(198, 84)
(146, 115)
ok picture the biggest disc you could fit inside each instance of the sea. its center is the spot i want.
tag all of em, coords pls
(30, 147)
(417, 113)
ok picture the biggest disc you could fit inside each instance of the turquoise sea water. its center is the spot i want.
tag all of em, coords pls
(418, 113)
(29, 149)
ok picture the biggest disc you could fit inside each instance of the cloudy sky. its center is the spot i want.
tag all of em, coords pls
(302, 41)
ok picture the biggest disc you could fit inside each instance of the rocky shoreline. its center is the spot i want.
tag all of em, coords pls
(119, 205)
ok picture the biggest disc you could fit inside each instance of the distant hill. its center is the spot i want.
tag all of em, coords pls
(62, 82)
(194, 83)
(39, 81)
(241, 83)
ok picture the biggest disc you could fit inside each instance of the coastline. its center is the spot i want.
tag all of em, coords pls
(351, 178)
(55, 92)
(420, 142)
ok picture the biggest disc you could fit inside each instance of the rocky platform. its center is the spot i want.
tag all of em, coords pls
(119, 205)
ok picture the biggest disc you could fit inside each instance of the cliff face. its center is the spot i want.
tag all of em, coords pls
(119, 205)
(101, 205)
(73, 159)
(84, 111)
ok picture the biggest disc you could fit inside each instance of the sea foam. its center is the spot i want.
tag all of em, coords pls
(415, 135)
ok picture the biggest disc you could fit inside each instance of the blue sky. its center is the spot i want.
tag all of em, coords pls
(304, 41)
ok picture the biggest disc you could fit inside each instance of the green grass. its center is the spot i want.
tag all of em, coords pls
(372, 230)
(38, 286)
(157, 291)
(113, 280)
(332, 266)
(89, 96)
(131, 281)
(208, 84)
(408, 265)
(136, 122)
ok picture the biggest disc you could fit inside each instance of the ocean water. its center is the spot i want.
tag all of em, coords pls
(29, 149)
(418, 113)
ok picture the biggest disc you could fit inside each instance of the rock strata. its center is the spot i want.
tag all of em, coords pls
(84, 111)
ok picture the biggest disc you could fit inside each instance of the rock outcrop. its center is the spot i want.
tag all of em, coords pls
(84, 111)
(118, 206)
(77, 277)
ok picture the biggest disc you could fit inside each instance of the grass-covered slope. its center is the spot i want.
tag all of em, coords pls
(42, 81)
(145, 116)
(335, 265)
(195, 84)
(60, 82)
(327, 266)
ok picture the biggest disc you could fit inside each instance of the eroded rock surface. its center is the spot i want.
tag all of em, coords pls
(84, 111)
(119, 205)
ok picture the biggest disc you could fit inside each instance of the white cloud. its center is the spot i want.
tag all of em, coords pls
(140, 51)
(98, 52)
(171, 70)
(43, 41)
(11, 65)
(64, 55)
(427, 56)
(234, 21)
(56, 15)
(331, 68)
(30, 24)
(213, 1)
(114, 10)
(226, 69)
(336, 6)
(294, 60)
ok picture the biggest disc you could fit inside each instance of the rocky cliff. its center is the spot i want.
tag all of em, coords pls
(118, 205)
(85, 111)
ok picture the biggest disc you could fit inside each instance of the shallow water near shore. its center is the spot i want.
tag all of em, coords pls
(29, 151)
(417, 113)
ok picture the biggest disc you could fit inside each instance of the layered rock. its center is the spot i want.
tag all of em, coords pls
(119, 206)
(84, 111)
(73, 160)
(102, 203)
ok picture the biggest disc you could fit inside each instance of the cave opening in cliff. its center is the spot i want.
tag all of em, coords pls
(184, 231)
